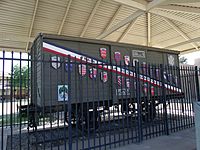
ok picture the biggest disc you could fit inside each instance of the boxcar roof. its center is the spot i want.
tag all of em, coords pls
(78, 39)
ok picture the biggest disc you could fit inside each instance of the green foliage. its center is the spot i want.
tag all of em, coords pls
(183, 60)
(20, 76)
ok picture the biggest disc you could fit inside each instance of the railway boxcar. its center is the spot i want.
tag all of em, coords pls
(98, 73)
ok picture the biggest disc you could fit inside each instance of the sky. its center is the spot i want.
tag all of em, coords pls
(191, 57)
(7, 67)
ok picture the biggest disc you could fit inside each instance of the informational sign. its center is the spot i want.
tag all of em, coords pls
(55, 62)
(137, 53)
(62, 92)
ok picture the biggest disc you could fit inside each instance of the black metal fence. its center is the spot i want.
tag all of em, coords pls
(65, 104)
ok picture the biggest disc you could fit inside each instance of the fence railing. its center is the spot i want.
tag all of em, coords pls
(66, 104)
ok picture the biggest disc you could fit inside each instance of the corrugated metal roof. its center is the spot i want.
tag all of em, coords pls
(72, 17)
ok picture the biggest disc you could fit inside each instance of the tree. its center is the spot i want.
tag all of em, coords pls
(20, 76)
(183, 60)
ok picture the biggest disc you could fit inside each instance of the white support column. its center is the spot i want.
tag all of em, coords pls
(130, 26)
(32, 23)
(65, 16)
(149, 29)
(90, 18)
(179, 31)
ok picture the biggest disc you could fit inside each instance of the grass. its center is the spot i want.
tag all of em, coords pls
(16, 119)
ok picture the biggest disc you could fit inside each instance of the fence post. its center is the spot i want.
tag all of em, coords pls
(69, 106)
(197, 82)
(139, 102)
(163, 96)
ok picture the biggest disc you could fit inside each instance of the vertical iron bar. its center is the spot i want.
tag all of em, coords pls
(43, 99)
(69, 106)
(51, 100)
(87, 105)
(197, 83)
(2, 97)
(11, 99)
(122, 102)
(20, 102)
(76, 82)
(64, 68)
(139, 102)
(164, 100)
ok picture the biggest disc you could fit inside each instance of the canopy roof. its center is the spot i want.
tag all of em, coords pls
(171, 24)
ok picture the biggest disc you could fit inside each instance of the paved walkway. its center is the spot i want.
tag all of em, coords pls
(181, 140)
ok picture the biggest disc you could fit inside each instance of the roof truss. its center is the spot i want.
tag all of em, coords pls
(179, 31)
(32, 22)
(148, 29)
(131, 3)
(130, 26)
(90, 18)
(114, 17)
(65, 16)
(175, 17)
(183, 43)
(181, 8)
(121, 24)
(181, 1)
(130, 18)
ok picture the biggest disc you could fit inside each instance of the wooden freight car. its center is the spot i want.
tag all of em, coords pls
(78, 71)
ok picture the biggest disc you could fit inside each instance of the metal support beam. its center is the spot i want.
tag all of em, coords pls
(130, 26)
(175, 17)
(179, 31)
(64, 18)
(32, 23)
(121, 24)
(148, 29)
(90, 18)
(183, 43)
